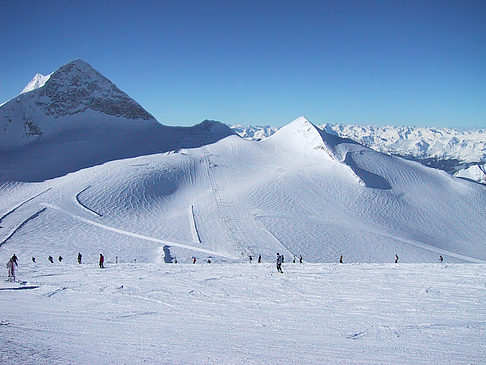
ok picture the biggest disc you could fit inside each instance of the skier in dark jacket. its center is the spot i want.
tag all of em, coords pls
(51, 260)
(341, 259)
(80, 257)
(441, 259)
(396, 259)
(33, 260)
(279, 262)
(60, 258)
(14, 259)
(102, 261)
(259, 259)
(300, 259)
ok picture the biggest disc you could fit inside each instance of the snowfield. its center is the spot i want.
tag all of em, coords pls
(243, 313)
(86, 169)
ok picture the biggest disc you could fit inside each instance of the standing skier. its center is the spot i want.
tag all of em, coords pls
(14, 259)
(60, 258)
(341, 259)
(259, 259)
(51, 260)
(279, 263)
(251, 259)
(300, 259)
(441, 259)
(80, 257)
(11, 270)
(102, 261)
(396, 259)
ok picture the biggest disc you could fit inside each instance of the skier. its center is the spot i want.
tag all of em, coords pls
(80, 257)
(341, 259)
(102, 260)
(11, 269)
(251, 259)
(293, 260)
(396, 259)
(193, 260)
(300, 259)
(441, 259)
(209, 261)
(33, 260)
(14, 259)
(60, 258)
(279, 263)
(259, 259)
(51, 260)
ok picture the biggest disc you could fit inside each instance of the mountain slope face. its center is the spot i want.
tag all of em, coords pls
(462, 154)
(302, 191)
(76, 118)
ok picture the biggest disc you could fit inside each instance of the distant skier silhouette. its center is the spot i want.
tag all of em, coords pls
(259, 259)
(60, 258)
(80, 257)
(251, 259)
(396, 259)
(300, 259)
(341, 259)
(193, 260)
(11, 269)
(51, 260)
(441, 259)
(33, 259)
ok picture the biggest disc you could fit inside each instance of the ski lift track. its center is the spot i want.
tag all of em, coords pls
(232, 230)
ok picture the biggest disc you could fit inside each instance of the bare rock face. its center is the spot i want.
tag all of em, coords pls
(77, 87)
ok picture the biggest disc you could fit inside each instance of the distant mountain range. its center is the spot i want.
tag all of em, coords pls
(460, 153)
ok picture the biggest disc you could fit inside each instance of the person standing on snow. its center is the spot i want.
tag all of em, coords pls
(11, 270)
(396, 259)
(441, 259)
(80, 257)
(279, 263)
(259, 259)
(51, 260)
(251, 259)
(60, 258)
(102, 261)
(14, 259)
(300, 259)
(341, 259)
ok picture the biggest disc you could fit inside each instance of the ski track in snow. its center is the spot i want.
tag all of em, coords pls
(20, 225)
(136, 235)
(13, 209)
(85, 207)
(192, 220)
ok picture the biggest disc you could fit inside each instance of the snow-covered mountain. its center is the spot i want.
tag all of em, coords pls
(460, 153)
(75, 118)
(100, 173)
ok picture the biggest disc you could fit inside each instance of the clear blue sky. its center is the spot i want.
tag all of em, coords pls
(390, 62)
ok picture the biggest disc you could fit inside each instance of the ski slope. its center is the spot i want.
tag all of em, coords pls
(243, 313)
(299, 192)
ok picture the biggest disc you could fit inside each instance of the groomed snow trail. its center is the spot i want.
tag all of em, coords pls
(244, 313)
(13, 209)
(20, 225)
(136, 235)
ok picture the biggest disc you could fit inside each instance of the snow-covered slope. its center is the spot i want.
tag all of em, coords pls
(77, 119)
(302, 191)
(460, 153)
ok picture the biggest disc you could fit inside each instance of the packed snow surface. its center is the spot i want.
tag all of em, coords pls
(65, 313)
